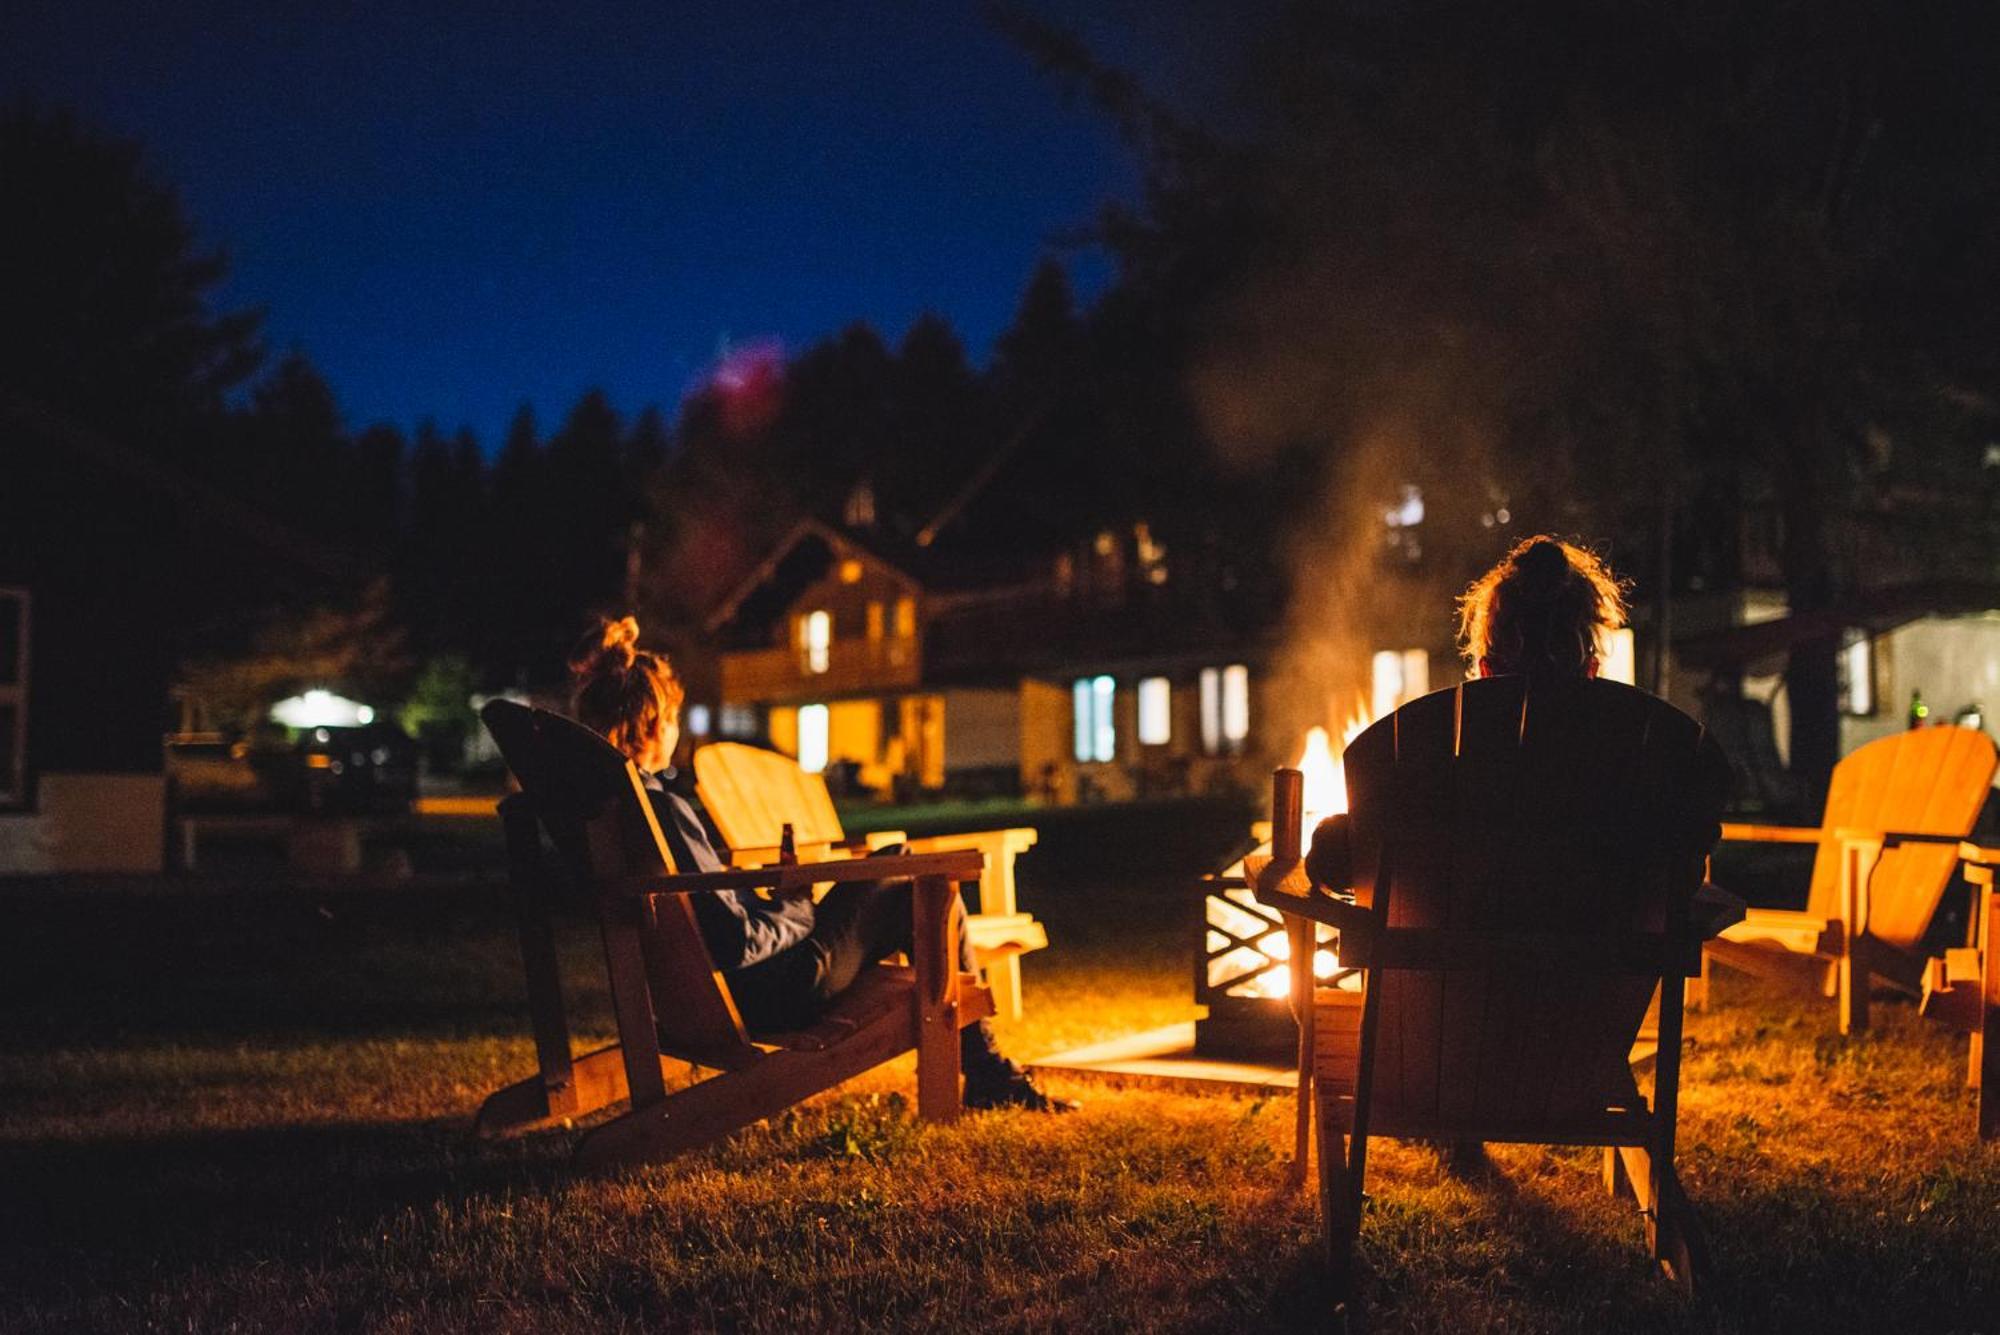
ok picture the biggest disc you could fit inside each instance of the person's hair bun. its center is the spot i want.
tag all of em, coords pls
(613, 646)
(1543, 567)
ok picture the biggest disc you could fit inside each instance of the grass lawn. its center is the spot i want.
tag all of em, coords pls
(250, 1111)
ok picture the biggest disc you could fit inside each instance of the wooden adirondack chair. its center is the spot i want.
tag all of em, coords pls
(1522, 862)
(752, 794)
(1963, 987)
(666, 993)
(1895, 812)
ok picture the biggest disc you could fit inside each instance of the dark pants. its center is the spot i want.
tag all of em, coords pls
(856, 925)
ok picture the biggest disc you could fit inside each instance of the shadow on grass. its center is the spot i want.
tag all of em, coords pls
(120, 968)
(114, 1212)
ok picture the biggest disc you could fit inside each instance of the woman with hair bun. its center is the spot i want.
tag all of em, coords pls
(785, 957)
(1540, 611)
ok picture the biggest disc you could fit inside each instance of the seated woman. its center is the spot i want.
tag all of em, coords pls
(1540, 613)
(785, 957)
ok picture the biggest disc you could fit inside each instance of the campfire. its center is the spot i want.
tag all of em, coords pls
(1243, 975)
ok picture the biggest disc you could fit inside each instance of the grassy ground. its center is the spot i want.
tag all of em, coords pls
(250, 1112)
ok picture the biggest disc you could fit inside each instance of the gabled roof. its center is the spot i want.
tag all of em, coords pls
(843, 546)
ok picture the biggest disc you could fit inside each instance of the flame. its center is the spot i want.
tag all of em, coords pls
(1325, 777)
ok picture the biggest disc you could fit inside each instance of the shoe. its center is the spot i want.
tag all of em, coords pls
(1012, 1087)
(1466, 1160)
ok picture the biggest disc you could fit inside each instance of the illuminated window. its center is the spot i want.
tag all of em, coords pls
(739, 721)
(812, 738)
(1225, 709)
(1235, 705)
(1857, 675)
(1156, 721)
(1616, 658)
(874, 620)
(1096, 733)
(816, 638)
(13, 697)
(850, 571)
(698, 720)
(906, 618)
(1397, 677)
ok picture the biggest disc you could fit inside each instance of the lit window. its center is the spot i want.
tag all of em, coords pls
(698, 720)
(1397, 677)
(1096, 733)
(1857, 675)
(812, 738)
(906, 618)
(1404, 520)
(739, 721)
(1225, 709)
(1616, 658)
(850, 571)
(1156, 725)
(816, 635)
(874, 620)
(1235, 705)
(13, 697)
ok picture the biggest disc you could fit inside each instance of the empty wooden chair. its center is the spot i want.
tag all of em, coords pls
(1886, 851)
(1515, 884)
(752, 794)
(579, 791)
(1962, 987)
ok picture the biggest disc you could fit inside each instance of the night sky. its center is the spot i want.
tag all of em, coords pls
(454, 213)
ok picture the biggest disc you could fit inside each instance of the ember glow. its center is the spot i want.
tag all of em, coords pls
(1249, 952)
(1325, 777)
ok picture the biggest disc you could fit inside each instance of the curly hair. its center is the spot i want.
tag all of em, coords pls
(1539, 611)
(627, 693)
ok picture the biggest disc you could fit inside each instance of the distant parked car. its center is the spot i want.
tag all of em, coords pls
(371, 768)
(211, 772)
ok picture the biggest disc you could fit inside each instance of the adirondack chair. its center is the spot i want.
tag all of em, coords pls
(1522, 862)
(667, 996)
(1962, 988)
(1887, 843)
(752, 794)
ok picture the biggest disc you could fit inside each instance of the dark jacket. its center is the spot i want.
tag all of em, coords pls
(739, 927)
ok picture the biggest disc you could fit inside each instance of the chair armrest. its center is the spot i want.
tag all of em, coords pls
(1737, 832)
(996, 884)
(763, 855)
(1286, 888)
(954, 866)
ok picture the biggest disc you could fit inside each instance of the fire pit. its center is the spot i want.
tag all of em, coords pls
(1243, 962)
(1242, 969)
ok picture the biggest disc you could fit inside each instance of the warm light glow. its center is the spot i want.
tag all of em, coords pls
(1616, 660)
(1325, 777)
(813, 730)
(321, 709)
(817, 636)
(1155, 711)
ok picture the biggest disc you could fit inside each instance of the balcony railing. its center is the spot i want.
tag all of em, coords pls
(756, 675)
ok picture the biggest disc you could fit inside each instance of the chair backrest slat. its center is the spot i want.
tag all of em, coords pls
(593, 805)
(1924, 781)
(1566, 812)
(752, 794)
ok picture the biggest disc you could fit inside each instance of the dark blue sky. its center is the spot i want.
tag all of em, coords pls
(455, 211)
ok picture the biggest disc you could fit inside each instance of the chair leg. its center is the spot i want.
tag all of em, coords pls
(1340, 1206)
(1698, 987)
(1680, 1248)
(1851, 979)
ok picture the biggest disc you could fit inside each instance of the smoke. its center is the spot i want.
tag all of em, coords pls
(1325, 377)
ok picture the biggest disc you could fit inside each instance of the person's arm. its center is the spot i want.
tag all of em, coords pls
(737, 927)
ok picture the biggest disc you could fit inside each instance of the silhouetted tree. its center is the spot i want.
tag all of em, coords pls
(105, 304)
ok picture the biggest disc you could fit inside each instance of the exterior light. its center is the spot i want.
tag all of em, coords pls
(321, 709)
